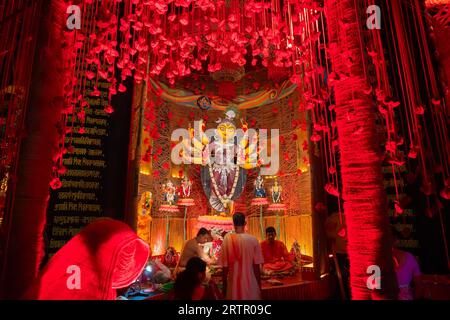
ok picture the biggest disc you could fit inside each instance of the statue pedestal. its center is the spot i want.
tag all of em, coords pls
(222, 223)
(186, 202)
(168, 208)
(171, 208)
(277, 207)
(259, 202)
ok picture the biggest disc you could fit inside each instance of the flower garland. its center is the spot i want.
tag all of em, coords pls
(226, 198)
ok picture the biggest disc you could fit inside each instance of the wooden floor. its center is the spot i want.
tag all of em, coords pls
(299, 288)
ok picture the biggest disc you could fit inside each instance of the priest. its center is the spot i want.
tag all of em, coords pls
(276, 256)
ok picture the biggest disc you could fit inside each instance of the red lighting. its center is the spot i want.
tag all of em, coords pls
(105, 255)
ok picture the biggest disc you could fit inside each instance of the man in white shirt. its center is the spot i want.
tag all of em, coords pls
(241, 259)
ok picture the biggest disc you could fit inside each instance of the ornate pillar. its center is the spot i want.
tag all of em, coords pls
(438, 14)
(365, 201)
(24, 248)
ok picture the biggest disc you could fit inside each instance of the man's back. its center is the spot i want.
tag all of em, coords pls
(191, 249)
(240, 252)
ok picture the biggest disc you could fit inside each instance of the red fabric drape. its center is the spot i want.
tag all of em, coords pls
(109, 255)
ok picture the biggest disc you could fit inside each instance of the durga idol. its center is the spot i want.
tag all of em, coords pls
(224, 159)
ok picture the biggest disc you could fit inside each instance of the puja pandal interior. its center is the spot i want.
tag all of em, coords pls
(340, 107)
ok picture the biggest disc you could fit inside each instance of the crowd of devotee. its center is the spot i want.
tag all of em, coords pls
(242, 258)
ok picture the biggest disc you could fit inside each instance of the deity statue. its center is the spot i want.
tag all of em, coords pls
(171, 257)
(144, 216)
(186, 185)
(224, 161)
(276, 190)
(296, 252)
(147, 201)
(170, 193)
(260, 192)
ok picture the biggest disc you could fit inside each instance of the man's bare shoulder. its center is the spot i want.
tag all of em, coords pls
(191, 243)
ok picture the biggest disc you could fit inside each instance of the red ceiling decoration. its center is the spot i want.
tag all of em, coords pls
(174, 39)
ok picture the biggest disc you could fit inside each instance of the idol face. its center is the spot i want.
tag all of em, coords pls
(227, 131)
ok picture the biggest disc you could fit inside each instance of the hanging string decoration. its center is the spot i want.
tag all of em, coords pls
(172, 39)
(360, 158)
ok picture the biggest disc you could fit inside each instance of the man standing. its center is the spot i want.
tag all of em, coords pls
(241, 259)
(192, 248)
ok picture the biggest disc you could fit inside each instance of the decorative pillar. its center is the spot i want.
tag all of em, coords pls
(439, 22)
(25, 245)
(365, 201)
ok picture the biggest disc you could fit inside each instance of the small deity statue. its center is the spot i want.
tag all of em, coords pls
(144, 217)
(170, 193)
(276, 190)
(171, 257)
(147, 201)
(296, 252)
(204, 103)
(260, 192)
(186, 185)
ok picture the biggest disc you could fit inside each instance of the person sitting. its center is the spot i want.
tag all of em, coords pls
(190, 283)
(276, 255)
(192, 248)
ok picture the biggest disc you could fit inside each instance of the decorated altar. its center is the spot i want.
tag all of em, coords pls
(176, 144)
